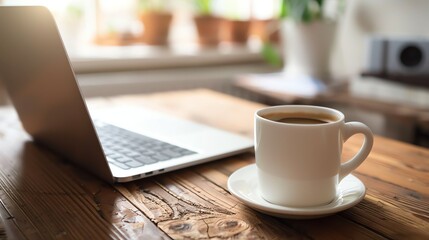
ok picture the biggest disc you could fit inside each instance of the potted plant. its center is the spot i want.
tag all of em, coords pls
(236, 31)
(111, 28)
(156, 19)
(265, 30)
(207, 24)
(236, 26)
(308, 30)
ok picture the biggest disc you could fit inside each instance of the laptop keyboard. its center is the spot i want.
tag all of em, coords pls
(126, 149)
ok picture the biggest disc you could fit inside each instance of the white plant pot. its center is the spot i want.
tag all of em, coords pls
(307, 48)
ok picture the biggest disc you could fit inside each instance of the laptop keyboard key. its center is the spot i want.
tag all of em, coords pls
(133, 154)
(134, 164)
(160, 157)
(120, 165)
(171, 154)
(123, 159)
(146, 159)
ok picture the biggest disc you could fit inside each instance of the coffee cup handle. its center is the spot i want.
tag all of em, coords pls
(350, 129)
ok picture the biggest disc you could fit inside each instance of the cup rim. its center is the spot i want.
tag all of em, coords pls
(339, 115)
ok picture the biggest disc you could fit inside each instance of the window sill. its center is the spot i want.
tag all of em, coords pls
(129, 58)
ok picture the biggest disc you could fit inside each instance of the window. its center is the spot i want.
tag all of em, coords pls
(93, 29)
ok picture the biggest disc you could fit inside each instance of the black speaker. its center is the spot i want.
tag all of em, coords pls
(400, 59)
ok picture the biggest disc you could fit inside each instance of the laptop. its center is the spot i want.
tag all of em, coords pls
(119, 144)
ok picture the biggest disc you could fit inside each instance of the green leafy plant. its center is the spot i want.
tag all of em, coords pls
(271, 55)
(204, 7)
(75, 10)
(152, 5)
(302, 10)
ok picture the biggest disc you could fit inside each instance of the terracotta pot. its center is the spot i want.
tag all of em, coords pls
(208, 29)
(236, 31)
(156, 27)
(116, 39)
(265, 30)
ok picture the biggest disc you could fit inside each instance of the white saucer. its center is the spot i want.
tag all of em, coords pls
(243, 184)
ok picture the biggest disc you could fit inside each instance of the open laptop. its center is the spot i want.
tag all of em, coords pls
(122, 144)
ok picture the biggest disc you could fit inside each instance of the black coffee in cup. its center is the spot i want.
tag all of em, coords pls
(300, 117)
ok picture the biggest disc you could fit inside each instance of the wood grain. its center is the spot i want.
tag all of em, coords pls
(44, 197)
(3, 235)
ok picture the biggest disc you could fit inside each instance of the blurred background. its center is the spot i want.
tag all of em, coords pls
(144, 46)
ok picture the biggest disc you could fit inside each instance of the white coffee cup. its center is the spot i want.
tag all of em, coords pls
(299, 164)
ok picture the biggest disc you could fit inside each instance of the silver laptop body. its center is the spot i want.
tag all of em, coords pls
(36, 72)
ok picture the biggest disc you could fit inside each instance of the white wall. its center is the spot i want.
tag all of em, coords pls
(365, 17)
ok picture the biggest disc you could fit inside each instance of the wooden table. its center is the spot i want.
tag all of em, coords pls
(44, 197)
